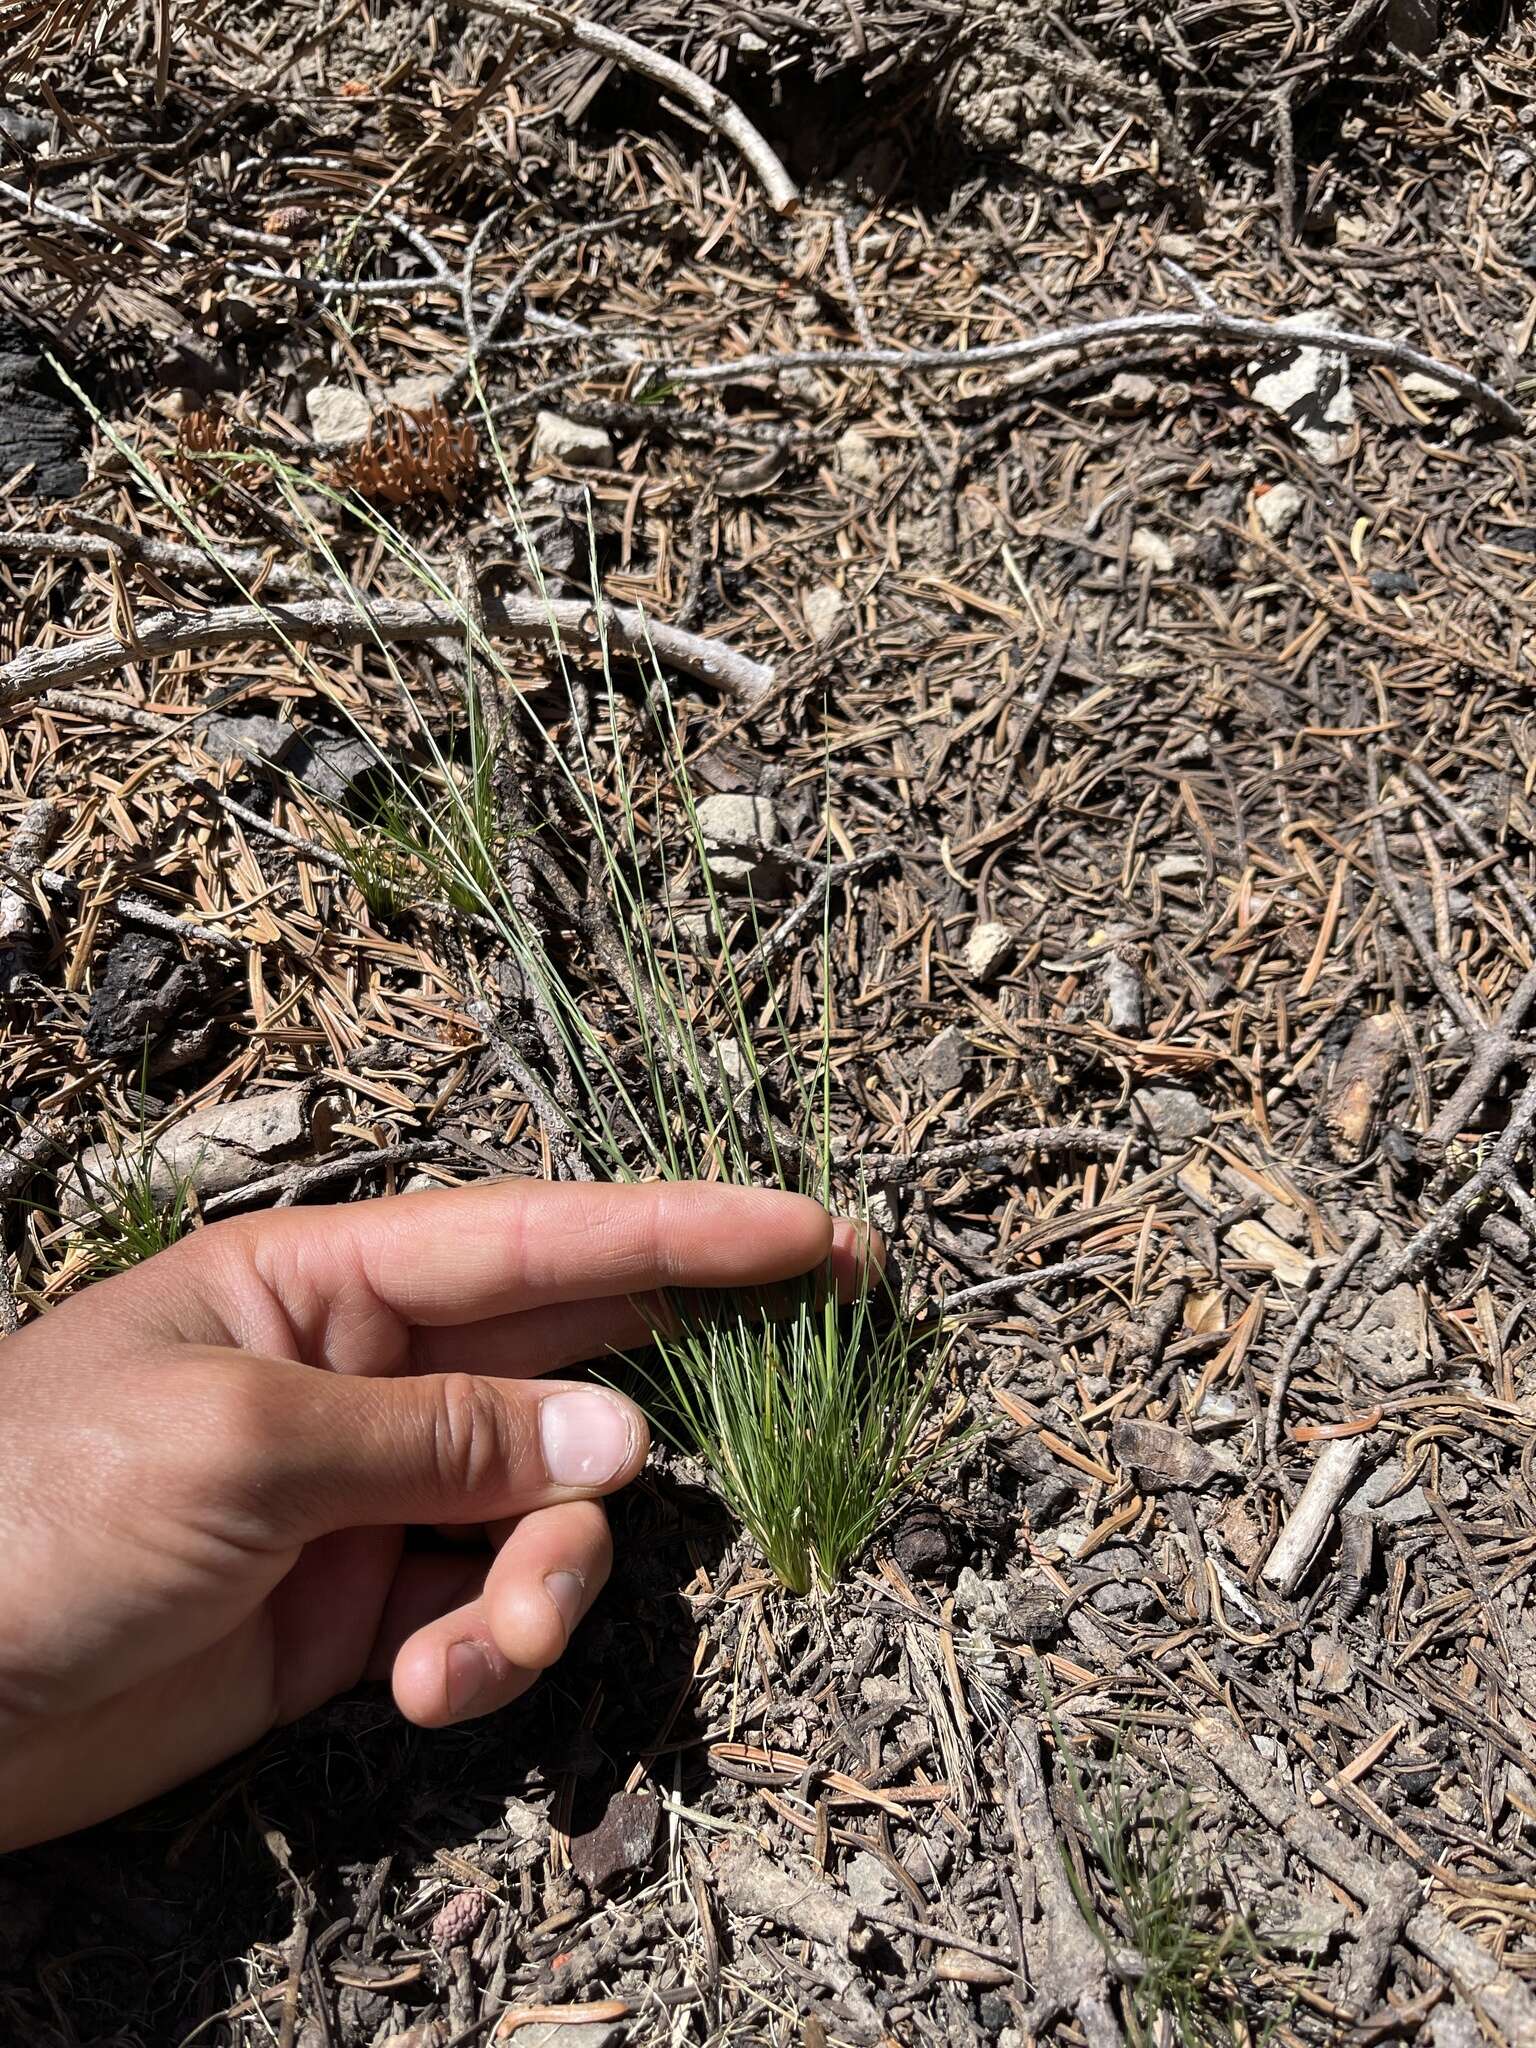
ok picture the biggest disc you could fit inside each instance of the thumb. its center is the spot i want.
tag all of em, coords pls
(315, 1451)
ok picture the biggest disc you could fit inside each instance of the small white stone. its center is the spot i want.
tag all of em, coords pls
(739, 833)
(1311, 393)
(417, 394)
(1147, 546)
(989, 949)
(570, 443)
(1130, 391)
(858, 458)
(1428, 390)
(1180, 867)
(823, 608)
(338, 415)
(1278, 509)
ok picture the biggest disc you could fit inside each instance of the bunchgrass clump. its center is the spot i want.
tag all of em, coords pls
(678, 1060)
(142, 1207)
(435, 834)
(1207, 1977)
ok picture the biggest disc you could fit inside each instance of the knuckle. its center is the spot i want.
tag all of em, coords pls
(232, 1412)
(481, 1440)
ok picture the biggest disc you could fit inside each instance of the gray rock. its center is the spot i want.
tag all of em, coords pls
(1180, 867)
(570, 443)
(1389, 1345)
(945, 1063)
(823, 608)
(1455, 2026)
(214, 1150)
(1310, 390)
(1173, 1113)
(335, 765)
(417, 394)
(869, 1882)
(255, 739)
(338, 415)
(740, 836)
(621, 1844)
(580, 2034)
(989, 949)
(1278, 509)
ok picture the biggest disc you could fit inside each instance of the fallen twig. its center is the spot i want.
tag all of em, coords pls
(1206, 326)
(1493, 1173)
(1071, 1973)
(348, 622)
(722, 114)
(1480, 1978)
(1364, 1241)
(1493, 1048)
(1330, 1479)
(250, 568)
(899, 1166)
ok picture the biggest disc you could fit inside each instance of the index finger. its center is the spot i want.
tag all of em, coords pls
(460, 1255)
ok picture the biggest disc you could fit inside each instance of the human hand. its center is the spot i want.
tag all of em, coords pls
(208, 1464)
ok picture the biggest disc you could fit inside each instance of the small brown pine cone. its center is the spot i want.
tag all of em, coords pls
(458, 1919)
(286, 220)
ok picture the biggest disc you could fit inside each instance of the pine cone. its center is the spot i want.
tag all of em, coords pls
(286, 220)
(458, 1919)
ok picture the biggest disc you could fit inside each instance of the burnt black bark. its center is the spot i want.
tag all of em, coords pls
(41, 428)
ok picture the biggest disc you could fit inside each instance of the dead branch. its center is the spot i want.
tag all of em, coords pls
(1495, 1171)
(891, 1167)
(1071, 1974)
(348, 622)
(1445, 982)
(1364, 1241)
(1492, 1049)
(1206, 327)
(1481, 1979)
(793, 922)
(250, 568)
(722, 114)
(1330, 1479)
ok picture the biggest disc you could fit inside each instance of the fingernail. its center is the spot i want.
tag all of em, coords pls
(568, 1591)
(586, 1436)
(467, 1677)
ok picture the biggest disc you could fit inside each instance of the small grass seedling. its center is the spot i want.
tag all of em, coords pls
(143, 1204)
(1208, 1975)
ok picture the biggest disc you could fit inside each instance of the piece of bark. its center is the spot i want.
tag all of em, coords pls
(41, 428)
(1161, 1457)
(1300, 1540)
(1358, 1086)
(213, 1151)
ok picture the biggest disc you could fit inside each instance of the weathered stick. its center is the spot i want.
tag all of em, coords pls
(722, 114)
(242, 565)
(1072, 1973)
(900, 1166)
(1479, 1977)
(1493, 1173)
(347, 622)
(1312, 1315)
(1206, 325)
(1330, 1479)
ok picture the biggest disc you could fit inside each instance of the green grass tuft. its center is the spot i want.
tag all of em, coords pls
(1209, 1978)
(135, 1217)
